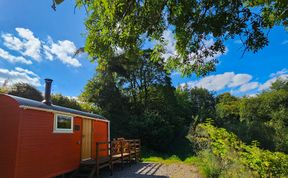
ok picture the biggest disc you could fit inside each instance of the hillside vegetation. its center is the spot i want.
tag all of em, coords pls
(222, 154)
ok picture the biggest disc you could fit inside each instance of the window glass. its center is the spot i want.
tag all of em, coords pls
(63, 123)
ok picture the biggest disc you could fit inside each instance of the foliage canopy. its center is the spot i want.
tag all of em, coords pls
(200, 28)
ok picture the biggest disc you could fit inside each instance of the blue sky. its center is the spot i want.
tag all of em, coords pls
(38, 43)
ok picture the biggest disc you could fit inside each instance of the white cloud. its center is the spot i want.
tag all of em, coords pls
(19, 69)
(237, 83)
(220, 81)
(13, 59)
(28, 45)
(248, 86)
(12, 42)
(279, 73)
(240, 79)
(19, 75)
(269, 82)
(32, 45)
(47, 53)
(171, 44)
(63, 50)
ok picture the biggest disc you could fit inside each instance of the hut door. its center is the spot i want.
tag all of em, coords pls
(86, 139)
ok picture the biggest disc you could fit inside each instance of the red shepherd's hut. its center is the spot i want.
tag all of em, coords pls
(38, 139)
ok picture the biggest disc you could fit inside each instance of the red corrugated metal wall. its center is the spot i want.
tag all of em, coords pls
(9, 118)
(100, 134)
(44, 153)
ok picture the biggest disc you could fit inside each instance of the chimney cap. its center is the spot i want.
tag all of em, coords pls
(48, 80)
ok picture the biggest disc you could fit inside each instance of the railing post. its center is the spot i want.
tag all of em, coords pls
(122, 149)
(110, 157)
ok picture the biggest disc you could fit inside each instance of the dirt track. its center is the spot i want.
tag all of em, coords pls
(153, 170)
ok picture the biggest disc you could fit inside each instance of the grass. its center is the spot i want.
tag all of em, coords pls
(170, 160)
(181, 151)
(156, 157)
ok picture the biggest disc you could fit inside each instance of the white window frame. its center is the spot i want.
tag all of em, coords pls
(58, 130)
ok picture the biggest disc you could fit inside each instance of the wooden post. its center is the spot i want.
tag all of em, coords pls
(122, 149)
(110, 160)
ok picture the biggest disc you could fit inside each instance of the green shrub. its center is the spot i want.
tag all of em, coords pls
(222, 154)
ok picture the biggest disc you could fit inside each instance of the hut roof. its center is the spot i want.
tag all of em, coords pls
(36, 104)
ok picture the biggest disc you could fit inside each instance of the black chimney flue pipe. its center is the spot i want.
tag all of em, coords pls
(47, 95)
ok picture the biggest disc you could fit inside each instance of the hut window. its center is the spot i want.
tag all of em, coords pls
(63, 124)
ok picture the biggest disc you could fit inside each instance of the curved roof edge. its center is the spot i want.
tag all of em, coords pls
(37, 104)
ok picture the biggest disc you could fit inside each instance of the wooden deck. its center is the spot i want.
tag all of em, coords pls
(109, 153)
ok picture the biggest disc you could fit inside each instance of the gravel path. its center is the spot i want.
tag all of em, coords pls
(153, 170)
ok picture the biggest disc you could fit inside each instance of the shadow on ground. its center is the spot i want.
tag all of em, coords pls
(139, 170)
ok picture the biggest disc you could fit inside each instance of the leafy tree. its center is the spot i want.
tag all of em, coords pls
(203, 103)
(279, 123)
(225, 98)
(137, 96)
(103, 91)
(252, 109)
(136, 75)
(280, 84)
(272, 12)
(184, 102)
(195, 106)
(265, 118)
(90, 107)
(60, 100)
(163, 102)
(227, 110)
(26, 91)
(127, 24)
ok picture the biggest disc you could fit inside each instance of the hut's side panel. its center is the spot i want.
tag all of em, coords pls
(44, 153)
(100, 134)
(9, 121)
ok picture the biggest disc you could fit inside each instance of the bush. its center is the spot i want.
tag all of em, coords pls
(222, 154)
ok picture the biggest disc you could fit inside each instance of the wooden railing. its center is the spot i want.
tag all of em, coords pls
(116, 151)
